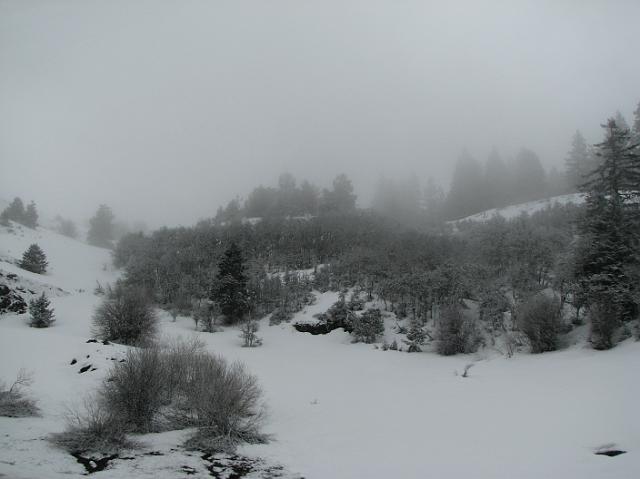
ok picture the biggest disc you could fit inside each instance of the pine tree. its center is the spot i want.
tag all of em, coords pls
(609, 243)
(230, 291)
(41, 312)
(34, 260)
(15, 211)
(415, 337)
(101, 229)
(31, 216)
(635, 130)
(577, 165)
(467, 185)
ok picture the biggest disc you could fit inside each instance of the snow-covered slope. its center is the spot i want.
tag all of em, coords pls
(513, 211)
(336, 409)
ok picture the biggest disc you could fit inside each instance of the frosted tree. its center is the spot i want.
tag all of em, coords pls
(34, 260)
(415, 337)
(577, 164)
(41, 312)
(609, 235)
(101, 228)
(230, 290)
(31, 216)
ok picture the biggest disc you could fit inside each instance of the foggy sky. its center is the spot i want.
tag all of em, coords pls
(166, 109)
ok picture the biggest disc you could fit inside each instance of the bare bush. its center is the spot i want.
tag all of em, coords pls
(172, 386)
(136, 390)
(540, 319)
(13, 400)
(92, 427)
(225, 401)
(280, 315)
(125, 316)
(248, 331)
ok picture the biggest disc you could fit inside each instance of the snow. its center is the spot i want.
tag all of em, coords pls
(513, 211)
(336, 409)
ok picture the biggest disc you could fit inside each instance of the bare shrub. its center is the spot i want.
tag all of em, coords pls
(125, 316)
(175, 385)
(136, 390)
(540, 319)
(92, 427)
(225, 401)
(455, 334)
(13, 400)
(248, 331)
(280, 315)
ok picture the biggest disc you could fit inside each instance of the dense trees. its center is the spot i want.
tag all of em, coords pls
(290, 200)
(607, 265)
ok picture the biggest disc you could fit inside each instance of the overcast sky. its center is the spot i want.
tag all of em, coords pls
(166, 109)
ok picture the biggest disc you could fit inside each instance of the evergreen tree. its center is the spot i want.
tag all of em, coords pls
(34, 260)
(577, 164)
(635, 129)
(15, 211)
(415, 337)
(230, 290)
(31, 216)
(609, 243)
(41, 312)
(530, 182)
(341, 198)
(497, 181)
(466, 192)
(101, 229)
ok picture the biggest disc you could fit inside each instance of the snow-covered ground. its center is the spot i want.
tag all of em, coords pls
(336, 409)
(513, 211)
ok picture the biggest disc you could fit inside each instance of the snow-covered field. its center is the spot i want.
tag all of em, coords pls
(336, 409)
(513, 211)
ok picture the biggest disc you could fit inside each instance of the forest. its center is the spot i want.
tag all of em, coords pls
(580, 262)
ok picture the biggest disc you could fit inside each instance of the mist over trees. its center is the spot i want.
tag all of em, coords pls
(17, 212)
(393, 253)
(291, 200)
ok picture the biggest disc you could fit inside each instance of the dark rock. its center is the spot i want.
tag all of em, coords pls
(322, 327)
(73, 361)
(93, 464)
(92, 340)
(106, 342)
(610, 452)
(84, 369)
(11, 301)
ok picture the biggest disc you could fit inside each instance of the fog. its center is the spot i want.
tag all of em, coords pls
(165, 110)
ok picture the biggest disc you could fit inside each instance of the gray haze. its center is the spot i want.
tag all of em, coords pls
(166, 109)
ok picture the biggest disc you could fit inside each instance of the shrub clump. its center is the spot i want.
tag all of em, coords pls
(455, 334)
(280, 315)
(171, 387)
(13, 400)
(367, 326)
(540, 319)
(125, 316)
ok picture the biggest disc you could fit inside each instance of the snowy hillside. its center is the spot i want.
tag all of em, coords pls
(513, 211)
(336, 409)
